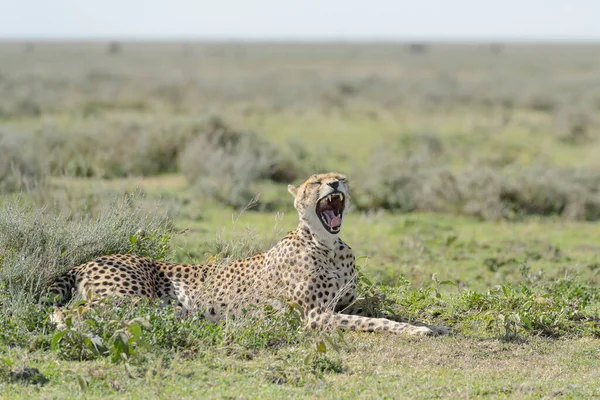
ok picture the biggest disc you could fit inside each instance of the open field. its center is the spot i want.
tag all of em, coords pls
(475, 174)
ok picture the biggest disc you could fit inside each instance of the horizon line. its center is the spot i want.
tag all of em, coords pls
(296, 40)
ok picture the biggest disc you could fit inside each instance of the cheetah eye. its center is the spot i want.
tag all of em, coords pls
(315, 183)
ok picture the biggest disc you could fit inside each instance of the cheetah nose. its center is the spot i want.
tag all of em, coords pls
(334, 184)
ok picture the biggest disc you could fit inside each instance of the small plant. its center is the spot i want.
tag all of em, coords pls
(264, 328)
(560, 309)
(316, 360)
(90, 332)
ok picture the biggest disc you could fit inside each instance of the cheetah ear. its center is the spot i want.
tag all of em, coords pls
(293, 190)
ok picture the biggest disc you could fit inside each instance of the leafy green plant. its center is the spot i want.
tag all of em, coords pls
(91, 331)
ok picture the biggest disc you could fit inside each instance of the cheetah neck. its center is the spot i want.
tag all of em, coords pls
(304, 232)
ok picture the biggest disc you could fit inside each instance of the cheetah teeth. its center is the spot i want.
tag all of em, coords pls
(332, 196)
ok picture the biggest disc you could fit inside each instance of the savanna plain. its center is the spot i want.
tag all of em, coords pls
(475, 179)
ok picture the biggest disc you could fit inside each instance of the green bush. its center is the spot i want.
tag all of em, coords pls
(98, 331)
(108, 147)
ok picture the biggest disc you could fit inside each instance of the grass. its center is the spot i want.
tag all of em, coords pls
(445, 367)
(474, 175)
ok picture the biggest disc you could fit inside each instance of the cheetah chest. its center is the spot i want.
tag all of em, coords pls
(316, 276)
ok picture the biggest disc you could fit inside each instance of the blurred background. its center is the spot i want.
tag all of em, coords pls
(481, 110)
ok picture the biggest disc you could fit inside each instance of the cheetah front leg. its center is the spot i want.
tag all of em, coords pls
(324, 318)
(362, 308)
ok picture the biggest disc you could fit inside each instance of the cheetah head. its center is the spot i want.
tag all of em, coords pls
(321, 202)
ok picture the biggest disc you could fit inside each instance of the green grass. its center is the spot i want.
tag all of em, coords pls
(373, 367)
(524, 317)
(519, 291)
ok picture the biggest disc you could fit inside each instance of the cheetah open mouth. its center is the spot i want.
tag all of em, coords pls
(330, 210)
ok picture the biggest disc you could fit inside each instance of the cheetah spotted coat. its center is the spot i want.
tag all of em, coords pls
(311, 266)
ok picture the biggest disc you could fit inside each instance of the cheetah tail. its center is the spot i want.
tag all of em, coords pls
(60, 292)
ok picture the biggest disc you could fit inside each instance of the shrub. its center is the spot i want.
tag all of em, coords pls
(100, 331)
(19, 168)
(539, 189)
(19, 318)
(406, 180)
(37, 245)
(117, 147)
(424, 182)
(114, 48)
(223, 164)
(576, 125)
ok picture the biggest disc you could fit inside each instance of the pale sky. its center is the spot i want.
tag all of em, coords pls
(301, 19)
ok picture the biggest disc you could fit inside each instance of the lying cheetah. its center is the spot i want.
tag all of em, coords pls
(311, 266)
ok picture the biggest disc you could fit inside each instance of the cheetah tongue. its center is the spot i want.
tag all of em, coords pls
(334, 221)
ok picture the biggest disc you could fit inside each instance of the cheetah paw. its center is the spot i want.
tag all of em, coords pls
(58, 318)
(421, 331)
(429, 330)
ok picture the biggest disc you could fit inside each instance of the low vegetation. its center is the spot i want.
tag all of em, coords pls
(476, 191)
(225, 165)
(19, 168)
(37, 245)
(420, 182)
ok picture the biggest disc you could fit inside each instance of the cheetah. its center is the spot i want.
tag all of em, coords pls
(310, 267)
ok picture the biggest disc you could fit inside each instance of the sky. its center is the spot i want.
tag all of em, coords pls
(537, 20)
